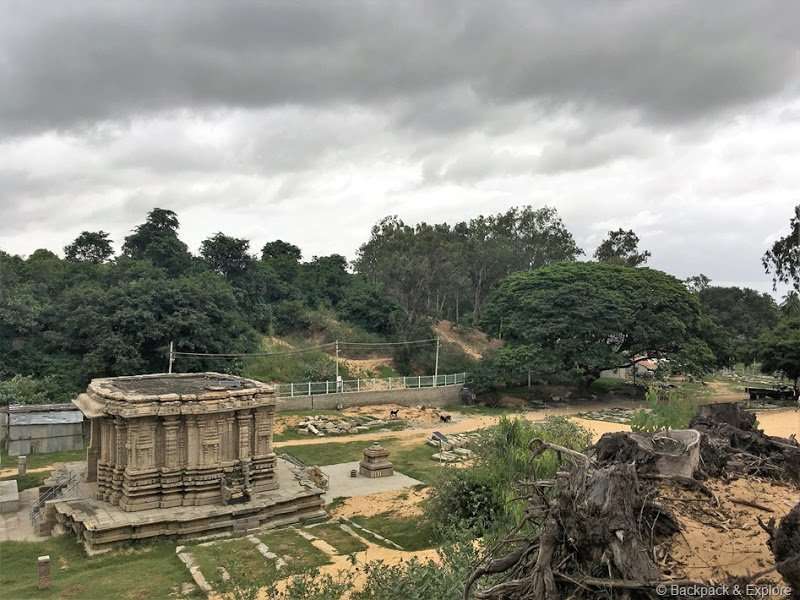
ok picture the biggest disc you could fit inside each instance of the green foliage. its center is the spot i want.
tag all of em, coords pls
(226, 255)
(779, 350)
(368, 307)
(667, 409)
(21, 389)
(621, 248)
(156, 240)
(481, 497)
(783, 259)
(90, 246)
(411, 533)
(441, 271)
(588, 317)
(738, 317)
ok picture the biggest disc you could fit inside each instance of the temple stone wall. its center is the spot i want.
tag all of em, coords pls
(165, 450)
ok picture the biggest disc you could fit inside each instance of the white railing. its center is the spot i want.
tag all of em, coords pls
(351, 386)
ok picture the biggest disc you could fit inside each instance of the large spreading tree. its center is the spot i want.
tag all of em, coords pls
(586, 317)
(621, 247)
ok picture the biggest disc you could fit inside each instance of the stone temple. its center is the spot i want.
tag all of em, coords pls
(181, 455)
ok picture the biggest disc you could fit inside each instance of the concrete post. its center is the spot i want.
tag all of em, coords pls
(22, 465)
(43, 571)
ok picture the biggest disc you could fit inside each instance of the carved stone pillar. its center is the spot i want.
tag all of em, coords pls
(171, 449)
(192, 442)
(245, 419)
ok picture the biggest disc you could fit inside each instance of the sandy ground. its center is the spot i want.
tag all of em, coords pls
(403, 503)
(718, 542)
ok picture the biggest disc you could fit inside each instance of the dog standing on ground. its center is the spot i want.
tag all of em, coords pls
(394, 414)
(445, 418)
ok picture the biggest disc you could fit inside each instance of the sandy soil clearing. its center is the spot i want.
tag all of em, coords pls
(402, 503)
(717, 543)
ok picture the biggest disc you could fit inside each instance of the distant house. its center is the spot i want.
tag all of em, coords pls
(644, 369)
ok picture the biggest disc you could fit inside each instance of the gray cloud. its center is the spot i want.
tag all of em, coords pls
(67, 64)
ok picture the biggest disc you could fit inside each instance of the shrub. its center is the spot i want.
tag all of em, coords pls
(668, 409)
(481, 497)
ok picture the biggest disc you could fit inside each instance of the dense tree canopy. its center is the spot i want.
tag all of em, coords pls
(447, 272)
(780, 350)
(226, 255)
(783, 258)
(742, 313)
(65, 321)
(621, 248)
(90, 246)
(588, 317)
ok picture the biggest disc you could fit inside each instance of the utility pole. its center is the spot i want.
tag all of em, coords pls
(436, 365)
(171, 355)
(337, 365)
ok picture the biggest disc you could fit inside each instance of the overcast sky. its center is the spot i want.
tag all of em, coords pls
(310, 121)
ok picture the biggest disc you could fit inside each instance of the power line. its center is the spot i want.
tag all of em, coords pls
(248, 354)
(290, 352)
(387, 343)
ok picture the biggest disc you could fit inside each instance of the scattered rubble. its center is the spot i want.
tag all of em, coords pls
(612, 414)
(452, 448)
(322, 425)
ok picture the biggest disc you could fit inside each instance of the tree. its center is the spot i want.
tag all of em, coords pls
(156, 240)
(437, 271)
(783, 259)
(226, 255)
(284, 258)
(790, 307)
(622, 248)
(90, 246)
(780, 351)
(697, 283)
(367, 306)
(743, 313)
(585, 318)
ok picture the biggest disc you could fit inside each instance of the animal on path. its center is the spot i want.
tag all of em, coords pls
(394, 414)
(445, 418)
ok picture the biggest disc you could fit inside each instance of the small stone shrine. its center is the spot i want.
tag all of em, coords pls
(375, 462)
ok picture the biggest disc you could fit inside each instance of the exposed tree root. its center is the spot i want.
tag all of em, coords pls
(601, 520)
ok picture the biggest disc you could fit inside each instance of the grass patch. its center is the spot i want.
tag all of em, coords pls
(414, 461)
(300, 554)
(329, 454)
(36, 461)
(239, 552)
(338, 538)
(412, 534)
(29, 480)
(152, 571)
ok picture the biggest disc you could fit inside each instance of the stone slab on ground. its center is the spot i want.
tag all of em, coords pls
(9, 496)
(17, 525)
(341, 485)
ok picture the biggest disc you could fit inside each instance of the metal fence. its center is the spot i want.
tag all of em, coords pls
(352, 386)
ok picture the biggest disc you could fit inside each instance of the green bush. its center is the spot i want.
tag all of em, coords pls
(481, 497)
(667, 409)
